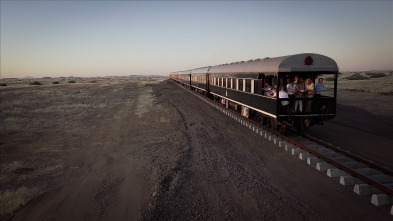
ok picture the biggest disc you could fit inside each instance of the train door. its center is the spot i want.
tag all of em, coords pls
(208, 83)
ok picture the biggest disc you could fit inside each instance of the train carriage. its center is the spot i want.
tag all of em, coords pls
(241, 86)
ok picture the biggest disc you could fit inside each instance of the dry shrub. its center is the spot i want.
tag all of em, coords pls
(35, 83)
(357, 76)
(376, 75)
(55, 82)
(15, 165)
(10, 200)
(71, 82)
(2, 84)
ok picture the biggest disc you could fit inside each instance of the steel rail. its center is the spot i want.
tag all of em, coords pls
(357, 158)
(319, 155)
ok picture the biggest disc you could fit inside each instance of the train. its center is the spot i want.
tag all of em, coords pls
(252, 88)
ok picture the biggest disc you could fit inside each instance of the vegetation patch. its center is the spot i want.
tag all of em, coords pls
(55, 82)
(329, 79)
(2, 84)
(15, 165)
(357, 76)
(71, 82)
(10, 201)
(376, 75)
(35, 83)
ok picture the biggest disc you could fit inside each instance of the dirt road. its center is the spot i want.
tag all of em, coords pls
(160, 153)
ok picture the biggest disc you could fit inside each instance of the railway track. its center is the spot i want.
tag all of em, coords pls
(365, 177)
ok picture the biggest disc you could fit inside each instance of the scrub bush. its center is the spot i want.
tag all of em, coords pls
(35, 83)
(376, 75)
(357, 77)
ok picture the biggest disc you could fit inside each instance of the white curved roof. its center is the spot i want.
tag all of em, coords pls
(184, 72)
(203, 70)
(291, 63)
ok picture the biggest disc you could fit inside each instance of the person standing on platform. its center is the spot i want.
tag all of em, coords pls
(299, 95)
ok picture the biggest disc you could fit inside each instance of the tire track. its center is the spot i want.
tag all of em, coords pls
(164, 197)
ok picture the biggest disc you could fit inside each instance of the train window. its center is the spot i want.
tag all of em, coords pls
(240, 88)
(224, 82)
(258, 86)
(234, 83)
(248, 85)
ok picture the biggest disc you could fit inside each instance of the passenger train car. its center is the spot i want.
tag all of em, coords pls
(250, 88)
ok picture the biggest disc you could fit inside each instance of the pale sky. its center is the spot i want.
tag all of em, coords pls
(101, 38)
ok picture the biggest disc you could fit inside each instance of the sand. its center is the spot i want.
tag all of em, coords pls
(144, 148)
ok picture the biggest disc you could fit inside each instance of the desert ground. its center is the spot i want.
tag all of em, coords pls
(141, 147)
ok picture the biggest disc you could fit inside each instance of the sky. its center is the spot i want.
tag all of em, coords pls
(106, 38)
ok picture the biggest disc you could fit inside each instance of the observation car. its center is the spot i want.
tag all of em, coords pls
(243, 87)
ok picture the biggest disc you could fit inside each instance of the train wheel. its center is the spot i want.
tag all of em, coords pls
(259, 118)
(269, 123)
(274, 125)
(300, 126)
(282, 129)
(324, 113)
(306, 123)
